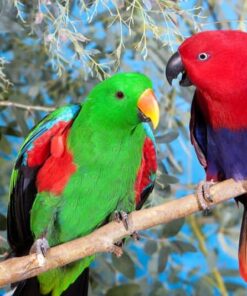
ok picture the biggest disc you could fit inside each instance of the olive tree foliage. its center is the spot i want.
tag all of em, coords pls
(52, 53)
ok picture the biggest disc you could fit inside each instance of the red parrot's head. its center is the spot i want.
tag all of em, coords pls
(214, 61)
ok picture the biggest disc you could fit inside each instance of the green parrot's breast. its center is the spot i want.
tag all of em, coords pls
(104, 182)
(107, 163)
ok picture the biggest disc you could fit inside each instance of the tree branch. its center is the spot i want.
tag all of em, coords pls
(26, 107)
(103, 239)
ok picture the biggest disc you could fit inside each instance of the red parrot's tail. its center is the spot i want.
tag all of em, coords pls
(242, 250)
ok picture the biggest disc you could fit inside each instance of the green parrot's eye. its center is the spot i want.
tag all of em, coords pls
(203, 56)
(120, 95)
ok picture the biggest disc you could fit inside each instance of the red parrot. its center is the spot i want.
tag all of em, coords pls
(215, 62)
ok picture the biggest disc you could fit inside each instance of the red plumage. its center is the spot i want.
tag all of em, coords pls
(147, 168)
(215, 62)
(220, 80)
(42, 145)
(50, 150)
(60, 161)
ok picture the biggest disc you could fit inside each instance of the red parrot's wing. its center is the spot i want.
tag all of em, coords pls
(198, 132)
(45, 143)
(147, 172)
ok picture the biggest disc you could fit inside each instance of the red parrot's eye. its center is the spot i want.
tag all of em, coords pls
(120, 95)
(203, 56)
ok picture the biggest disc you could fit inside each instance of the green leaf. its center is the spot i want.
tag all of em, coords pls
(153, 264)
(203, 288)
(182, 247)
(8, 25)
(172, 228)
(211, 259)
(34, 90)
(10, 131)
(240, 292)
(125, 265)
(21, 121)
(104, 274)
(163, 257)
(158, 289)
(5, 145)
(125, 290)
(233, 286)
(167, 137)
(167, 179)
(150, 247)
(230, 272)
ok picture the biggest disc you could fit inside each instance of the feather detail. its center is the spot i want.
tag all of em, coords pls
(47, 144)
(44, 142)
(57, 146)
(198, 132)
(146, 174)
(59, 167)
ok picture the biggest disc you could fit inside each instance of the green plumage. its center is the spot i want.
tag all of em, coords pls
(106, 141)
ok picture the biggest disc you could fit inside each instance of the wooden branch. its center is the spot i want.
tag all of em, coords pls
(26, 107)
(102, 239)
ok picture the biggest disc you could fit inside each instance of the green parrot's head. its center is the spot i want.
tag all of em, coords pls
(124, 100)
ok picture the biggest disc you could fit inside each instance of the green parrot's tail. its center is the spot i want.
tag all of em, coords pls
(28, 287)
(31, 287)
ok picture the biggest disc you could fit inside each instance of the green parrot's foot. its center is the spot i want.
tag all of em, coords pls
(120, 243)
(40, 248)
(124, 218)
(135, 235)
(117, 250)
(203, 195)
(121, 216)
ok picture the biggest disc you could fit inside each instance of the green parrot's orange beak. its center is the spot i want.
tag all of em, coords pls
(148, 107)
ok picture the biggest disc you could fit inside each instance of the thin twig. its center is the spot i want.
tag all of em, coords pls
(26, 107)
(103, 239)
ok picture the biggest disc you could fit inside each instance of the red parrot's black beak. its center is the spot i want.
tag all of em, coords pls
(174, 67)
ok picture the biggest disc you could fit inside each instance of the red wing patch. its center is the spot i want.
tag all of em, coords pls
(57, 146)
(147, 168)
(43, 144)
(54, 175)
(50, 152)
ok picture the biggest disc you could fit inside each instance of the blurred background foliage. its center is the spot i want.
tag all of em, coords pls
(51, 53)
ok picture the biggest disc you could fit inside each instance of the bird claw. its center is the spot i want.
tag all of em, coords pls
(121, 216)
(203, 195)
(117, 250)
(135, 235)
(40, 248)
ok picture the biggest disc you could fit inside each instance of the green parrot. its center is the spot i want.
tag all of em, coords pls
(78, 166)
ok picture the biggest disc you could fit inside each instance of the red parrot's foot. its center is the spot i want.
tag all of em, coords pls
(203, 195)
(40, 248)
(117, 250)
(121, 216)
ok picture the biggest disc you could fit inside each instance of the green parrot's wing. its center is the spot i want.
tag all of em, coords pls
(41, 142)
